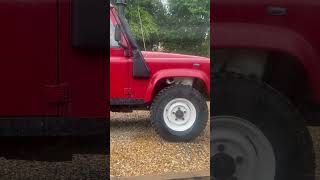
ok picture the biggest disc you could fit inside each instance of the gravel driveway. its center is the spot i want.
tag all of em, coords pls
(136, 149)
(53, 158)
(315, 133)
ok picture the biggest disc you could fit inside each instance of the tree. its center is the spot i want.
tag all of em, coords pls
(188, 26)
(178, 25)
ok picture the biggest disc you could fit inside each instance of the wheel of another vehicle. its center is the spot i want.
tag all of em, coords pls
(256, 134)
(179, 113)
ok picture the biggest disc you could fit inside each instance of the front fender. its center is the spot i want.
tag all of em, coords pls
(258, 36)
(173, 73)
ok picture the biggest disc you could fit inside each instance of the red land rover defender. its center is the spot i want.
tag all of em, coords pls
(173, 87)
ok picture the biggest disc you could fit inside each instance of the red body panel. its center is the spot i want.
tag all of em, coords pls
(39, 66)
(247, 24)
(85, 72)
(161, 65)
(119, 73)
(28, 56)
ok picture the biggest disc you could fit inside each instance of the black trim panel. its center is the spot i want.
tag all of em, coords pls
(126, 102)
(89, 24)
(52, 126)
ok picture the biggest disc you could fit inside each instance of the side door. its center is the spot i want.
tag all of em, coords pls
(28, 57)
(119, 68)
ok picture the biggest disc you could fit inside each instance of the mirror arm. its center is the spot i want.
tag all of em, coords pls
(125, 47)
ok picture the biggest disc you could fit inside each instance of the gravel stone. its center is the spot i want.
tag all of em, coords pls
(315, 133)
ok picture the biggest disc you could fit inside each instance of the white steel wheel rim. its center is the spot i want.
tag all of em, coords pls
(179, 114)
(241, 140)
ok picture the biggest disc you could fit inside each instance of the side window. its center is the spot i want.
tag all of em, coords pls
(113, 42)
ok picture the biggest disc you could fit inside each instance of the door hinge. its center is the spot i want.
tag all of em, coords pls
(57, 94)
(127, 91)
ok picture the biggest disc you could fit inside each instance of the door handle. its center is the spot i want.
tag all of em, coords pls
(277, 11)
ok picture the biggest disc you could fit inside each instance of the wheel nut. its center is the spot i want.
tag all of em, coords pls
(239, 159)
(221, 147)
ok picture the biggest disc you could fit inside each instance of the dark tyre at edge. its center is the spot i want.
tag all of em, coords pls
(253, 124)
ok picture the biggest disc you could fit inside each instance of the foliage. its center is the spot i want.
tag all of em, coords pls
(180, 26)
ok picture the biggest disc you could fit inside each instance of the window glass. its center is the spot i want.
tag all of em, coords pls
(113, 42)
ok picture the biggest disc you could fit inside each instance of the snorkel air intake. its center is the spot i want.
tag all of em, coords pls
(140, 68)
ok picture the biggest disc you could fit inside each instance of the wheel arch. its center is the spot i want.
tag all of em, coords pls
(200, 81)
(271, 39)
(280, 70)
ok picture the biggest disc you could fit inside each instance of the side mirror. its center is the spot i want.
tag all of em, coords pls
(117, 33)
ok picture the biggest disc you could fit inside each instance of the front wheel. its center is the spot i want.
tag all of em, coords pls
(256, 133)
(179, 113)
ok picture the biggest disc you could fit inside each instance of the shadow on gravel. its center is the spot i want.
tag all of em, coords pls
(130, 123)
(51, 148)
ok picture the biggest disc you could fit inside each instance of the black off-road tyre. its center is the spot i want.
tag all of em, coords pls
(173, 93)
(251, 100)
